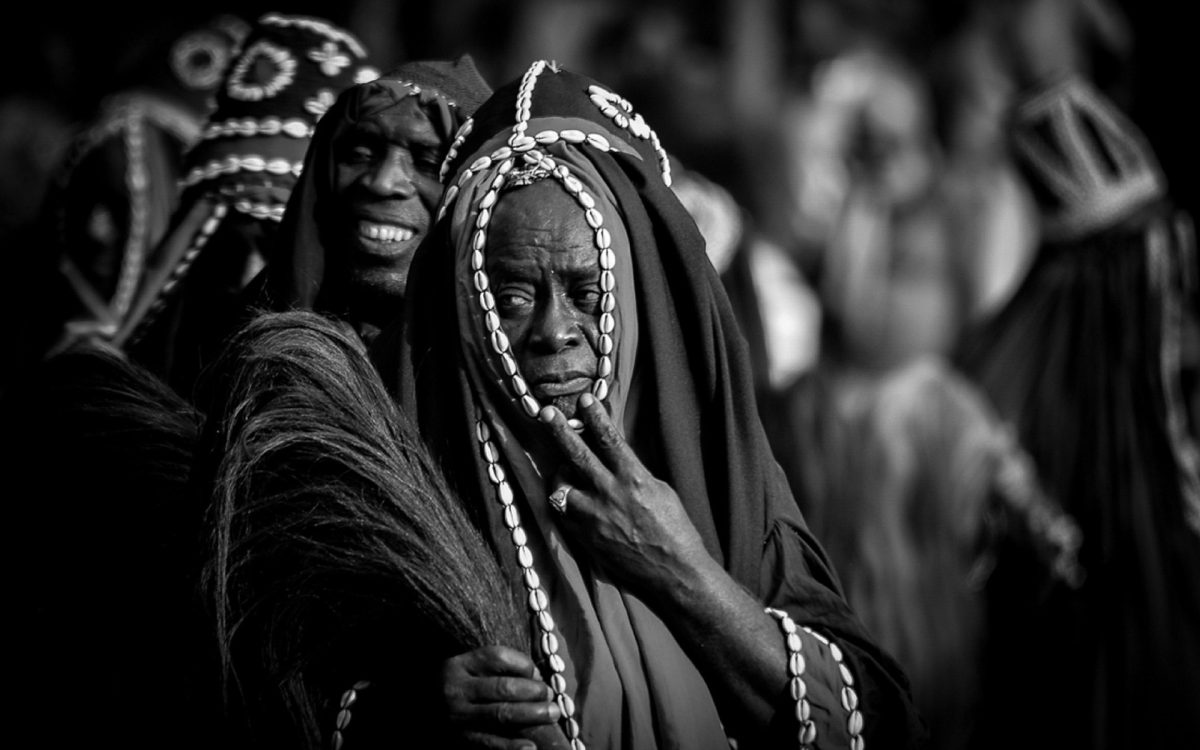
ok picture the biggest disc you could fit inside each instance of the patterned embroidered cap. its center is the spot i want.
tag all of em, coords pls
(1087, 164)
(284, 78)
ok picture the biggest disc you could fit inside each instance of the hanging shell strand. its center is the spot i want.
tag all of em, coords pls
(536, 598)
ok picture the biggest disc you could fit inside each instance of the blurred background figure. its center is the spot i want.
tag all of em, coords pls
(1087, 361)
(236, 181)
(112, 195)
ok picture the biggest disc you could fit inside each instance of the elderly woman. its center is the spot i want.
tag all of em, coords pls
(571, 357)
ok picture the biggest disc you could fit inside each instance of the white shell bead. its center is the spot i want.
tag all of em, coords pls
(793, 642)
(593, 217)
(476, 256)
(603, 238)
(522, 143)
(846, 676)
(482, 162)
(506, 494)
(607, 280)
(504, 169)
(537, 601)
(608, 259)
(518, 537)
(495, 473)
(549, 641)
(607, 323)
(608, 303)
(572, 136)
(799, 688)
(531, 405)
(808, 733)
(556, 662)
(566, 704)
(501, 153)
(557, 681)
(477, 244)
(499, 341)
(518, 384)
(531, 576)
(855, 724)
(481, 431)
(600, 389)
(490, 453)
(524, 556)
(546, 621)
(849, 699)
(604, 369)
(546, 136)
(508, 363)
(572, 183)
(512, 518)
(605, 344)
(598, 141)
(488, 200)
(586, 200)
(483, 218)
(803, 710)
(491, 320)
(796, 664)
(487, 301)
(481, 281)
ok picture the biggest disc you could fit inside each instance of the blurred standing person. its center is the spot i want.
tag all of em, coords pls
(113, 195)
(236, 182)
(1086, 361)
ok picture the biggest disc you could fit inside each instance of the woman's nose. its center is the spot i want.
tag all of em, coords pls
(557, 325)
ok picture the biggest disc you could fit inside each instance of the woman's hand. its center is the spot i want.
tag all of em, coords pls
(633, 523)
(494, 698)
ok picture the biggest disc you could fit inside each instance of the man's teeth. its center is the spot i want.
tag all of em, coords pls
(384, 232)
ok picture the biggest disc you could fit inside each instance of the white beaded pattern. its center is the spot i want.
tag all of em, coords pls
(796, 684)
(538, 601)
(347, 701)
(849, 698)
(268, 126)
(234, 164)
(198, 242)
(620, 111)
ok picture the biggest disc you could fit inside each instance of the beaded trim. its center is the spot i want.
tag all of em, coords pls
(799, 689)
(207, 230)
(318, 27)
(285, 73)
(347, 701)
(268, 126)
(234, 164)
(849, 698)
(625, 118)
(537, 599)
(137, 180)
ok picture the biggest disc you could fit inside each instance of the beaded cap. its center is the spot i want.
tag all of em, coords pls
(1088, 165)
(284, 78)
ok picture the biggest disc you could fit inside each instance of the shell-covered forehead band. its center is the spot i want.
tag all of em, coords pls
(523, 159)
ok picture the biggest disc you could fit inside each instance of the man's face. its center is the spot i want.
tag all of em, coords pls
(544, 270)
(386, 190)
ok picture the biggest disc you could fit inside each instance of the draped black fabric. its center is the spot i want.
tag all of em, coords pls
(1076, 361)
(692, 417)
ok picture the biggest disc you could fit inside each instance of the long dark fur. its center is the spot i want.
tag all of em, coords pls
(339, 552)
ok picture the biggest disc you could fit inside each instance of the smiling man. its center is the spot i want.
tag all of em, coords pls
(365, 198)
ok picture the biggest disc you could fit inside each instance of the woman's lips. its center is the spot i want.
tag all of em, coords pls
(557, 388)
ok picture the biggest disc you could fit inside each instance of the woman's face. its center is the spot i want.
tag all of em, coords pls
(544, 270)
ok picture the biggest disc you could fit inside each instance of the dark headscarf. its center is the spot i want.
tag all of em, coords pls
(680, 382)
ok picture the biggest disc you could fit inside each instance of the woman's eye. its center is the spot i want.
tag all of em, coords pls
(587, 298)
(511, 301)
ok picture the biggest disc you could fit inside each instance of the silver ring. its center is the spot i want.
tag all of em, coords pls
(558, 498)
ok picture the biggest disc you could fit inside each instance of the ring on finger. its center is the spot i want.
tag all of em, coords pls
(558, 498)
